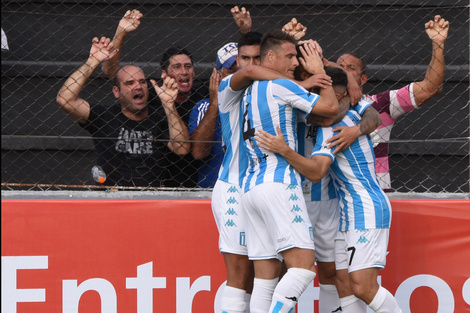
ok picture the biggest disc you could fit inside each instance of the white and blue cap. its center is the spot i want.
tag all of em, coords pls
(226, 55)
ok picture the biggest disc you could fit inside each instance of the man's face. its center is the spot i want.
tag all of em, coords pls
(224, 72)
(181, 69)
(352, 65)
(248, 55)
(133, 92)
(285, 59)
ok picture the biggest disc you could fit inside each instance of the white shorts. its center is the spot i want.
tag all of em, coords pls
(359, 249)
(229, 217)
(277, 220)
(324, 216)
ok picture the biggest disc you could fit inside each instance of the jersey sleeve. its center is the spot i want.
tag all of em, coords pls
(294, 95)
(227, 95)
(395, 103)
(197, 114)
(323, 133)
(362, 105)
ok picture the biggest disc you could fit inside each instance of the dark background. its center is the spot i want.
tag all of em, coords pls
(48, 40)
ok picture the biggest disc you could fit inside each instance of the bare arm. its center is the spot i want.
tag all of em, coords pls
(424, 90)
(314, 168)
(347, 135)
(68, 97)
(242, 18)
(179, 134)
(127, 24)
(203, 134)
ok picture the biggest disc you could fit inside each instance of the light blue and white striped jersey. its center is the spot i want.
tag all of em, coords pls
(235, 160)
(363, 203)
(267, 104)
(325, 188)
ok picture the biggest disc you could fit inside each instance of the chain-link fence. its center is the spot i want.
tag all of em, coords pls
(44, 42)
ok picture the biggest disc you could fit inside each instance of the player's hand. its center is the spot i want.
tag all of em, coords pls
(437, 29)
(167, 92)
(130, 21)
(317, 80)
(311, 59)
(242, 18)
(295, 29)
(345, 137)
(276, 144)
(100, 49)
(354, 90)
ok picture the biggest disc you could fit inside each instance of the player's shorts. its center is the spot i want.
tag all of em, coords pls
(324, 216)
(277, 220)
(229, 217)
(358, 249)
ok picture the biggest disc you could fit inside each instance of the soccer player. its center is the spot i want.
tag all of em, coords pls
(365, 216)
(278, 226)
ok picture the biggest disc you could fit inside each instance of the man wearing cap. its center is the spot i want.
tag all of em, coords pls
(204, 121)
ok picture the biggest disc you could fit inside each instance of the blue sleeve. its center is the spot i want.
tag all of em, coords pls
(197, 114)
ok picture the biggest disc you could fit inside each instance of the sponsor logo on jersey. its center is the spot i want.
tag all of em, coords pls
(230, 223)
(232, 200)
(298, 219)
(231, 211)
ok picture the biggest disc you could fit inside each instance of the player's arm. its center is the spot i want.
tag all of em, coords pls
(68, 97)
(245, 76)
(437, 30)
(203, 134)
(347, 135)
(313, 169)
(127, 24)
(179, 134)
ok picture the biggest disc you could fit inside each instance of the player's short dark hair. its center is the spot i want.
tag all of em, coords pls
(338, 76)
(171, 52)
(274, 39)
(250, 39)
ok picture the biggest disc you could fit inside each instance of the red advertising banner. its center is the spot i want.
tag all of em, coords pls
(145, 256)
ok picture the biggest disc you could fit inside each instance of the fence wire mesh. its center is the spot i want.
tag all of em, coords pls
(44, 42)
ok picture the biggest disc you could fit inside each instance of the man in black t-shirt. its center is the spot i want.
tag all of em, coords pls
(130, 137)
(176, 63)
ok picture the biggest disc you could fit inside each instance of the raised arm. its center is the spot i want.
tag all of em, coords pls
(437, 30)
(203, 134)
(313, 169)
(179, 134)
(242, 18)
(68, 97)
(127, 24)
(295, 28)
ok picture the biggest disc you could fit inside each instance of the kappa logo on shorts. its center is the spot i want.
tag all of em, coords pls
(232, 189)
(298, 219)
(296, 208)
(291, 187)
(293, 197)
(232, 200)
(230, 223)
(231, 211)
(362, 239)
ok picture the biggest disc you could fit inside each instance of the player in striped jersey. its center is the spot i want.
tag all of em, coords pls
(365, 209)
(321, 199)
(392, 104)
(278, 225)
